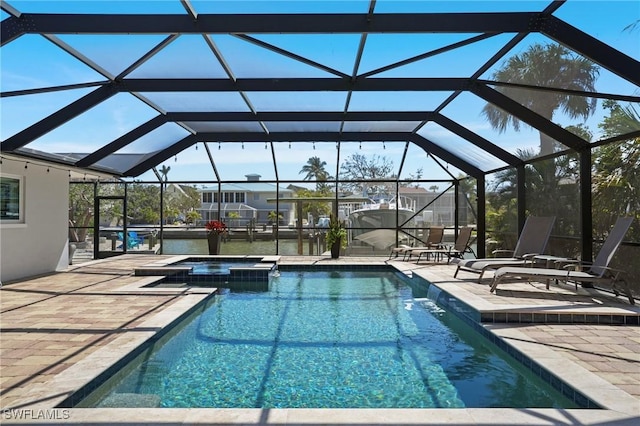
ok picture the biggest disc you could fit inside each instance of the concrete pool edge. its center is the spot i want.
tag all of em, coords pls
(325, 416)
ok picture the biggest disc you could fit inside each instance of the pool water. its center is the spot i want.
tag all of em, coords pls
(329, 340)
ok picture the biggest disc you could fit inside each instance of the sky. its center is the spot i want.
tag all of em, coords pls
(33, 61)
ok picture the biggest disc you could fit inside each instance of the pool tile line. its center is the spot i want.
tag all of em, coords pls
(520, 317)
(336, 267)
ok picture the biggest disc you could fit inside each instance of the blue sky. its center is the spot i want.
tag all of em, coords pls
(32, 62)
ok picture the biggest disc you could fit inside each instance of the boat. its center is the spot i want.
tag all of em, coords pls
(380, 213)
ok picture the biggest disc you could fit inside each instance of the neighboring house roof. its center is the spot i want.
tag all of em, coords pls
(411, 190)
(175, 188)
(296, 188)
(245, 187)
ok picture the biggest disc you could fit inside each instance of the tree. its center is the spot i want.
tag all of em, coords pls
(274, 217)
(315, 208)
(80, 210)
(412, 177)
(551, 66)
(552, 183)
(633, 26)
(315, 169)
(557, 196)
(164, 171)
(616, 185)
(192, 217)
(81, 213)
(620, 120)
(143, 204)
(181, 200)
(616, 171)
(361, 170)
(468, 197)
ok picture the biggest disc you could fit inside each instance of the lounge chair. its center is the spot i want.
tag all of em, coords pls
(436, 233)
(396, 251)
(532, 241)
(598, 271)
(434, 240)
(456, 250)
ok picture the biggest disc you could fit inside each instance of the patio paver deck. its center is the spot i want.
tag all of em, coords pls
(58, 331)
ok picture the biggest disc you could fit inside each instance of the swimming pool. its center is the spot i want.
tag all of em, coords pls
(339, 339)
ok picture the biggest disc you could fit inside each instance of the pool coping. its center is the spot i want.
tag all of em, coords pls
(619, 406)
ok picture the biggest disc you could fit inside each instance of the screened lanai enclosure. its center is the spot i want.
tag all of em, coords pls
(272, 117)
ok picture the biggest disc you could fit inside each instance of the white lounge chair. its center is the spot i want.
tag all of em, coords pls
(456, 250)
(533, 240)
(598, 271)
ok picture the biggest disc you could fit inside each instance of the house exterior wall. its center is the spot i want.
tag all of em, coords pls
(256, 199)
(40, 244)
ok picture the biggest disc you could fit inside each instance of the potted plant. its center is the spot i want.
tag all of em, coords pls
(215, 229)
(336, 237)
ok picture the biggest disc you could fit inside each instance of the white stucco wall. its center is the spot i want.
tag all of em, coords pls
(40, 244)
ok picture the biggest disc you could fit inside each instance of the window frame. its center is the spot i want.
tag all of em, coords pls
(20, 193)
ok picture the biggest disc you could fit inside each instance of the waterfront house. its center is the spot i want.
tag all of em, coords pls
(241, 202)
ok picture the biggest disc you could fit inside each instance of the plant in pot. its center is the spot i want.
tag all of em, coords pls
(215, 229)
(336, 237)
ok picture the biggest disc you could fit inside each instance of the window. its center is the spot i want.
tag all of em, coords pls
(11, 199)
(228, 197)
(206, 197)
(239, 197)
(215, 197)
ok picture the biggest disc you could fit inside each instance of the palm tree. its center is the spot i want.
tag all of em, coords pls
(551, 66)
(315, 169)
(164, 171)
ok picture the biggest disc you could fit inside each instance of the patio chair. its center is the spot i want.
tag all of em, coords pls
(456, 250)
(434, 241)
(436, 233)
(532, 241)
(598, 271)
(133, 240)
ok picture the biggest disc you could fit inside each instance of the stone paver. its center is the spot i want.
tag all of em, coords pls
(48, 323)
